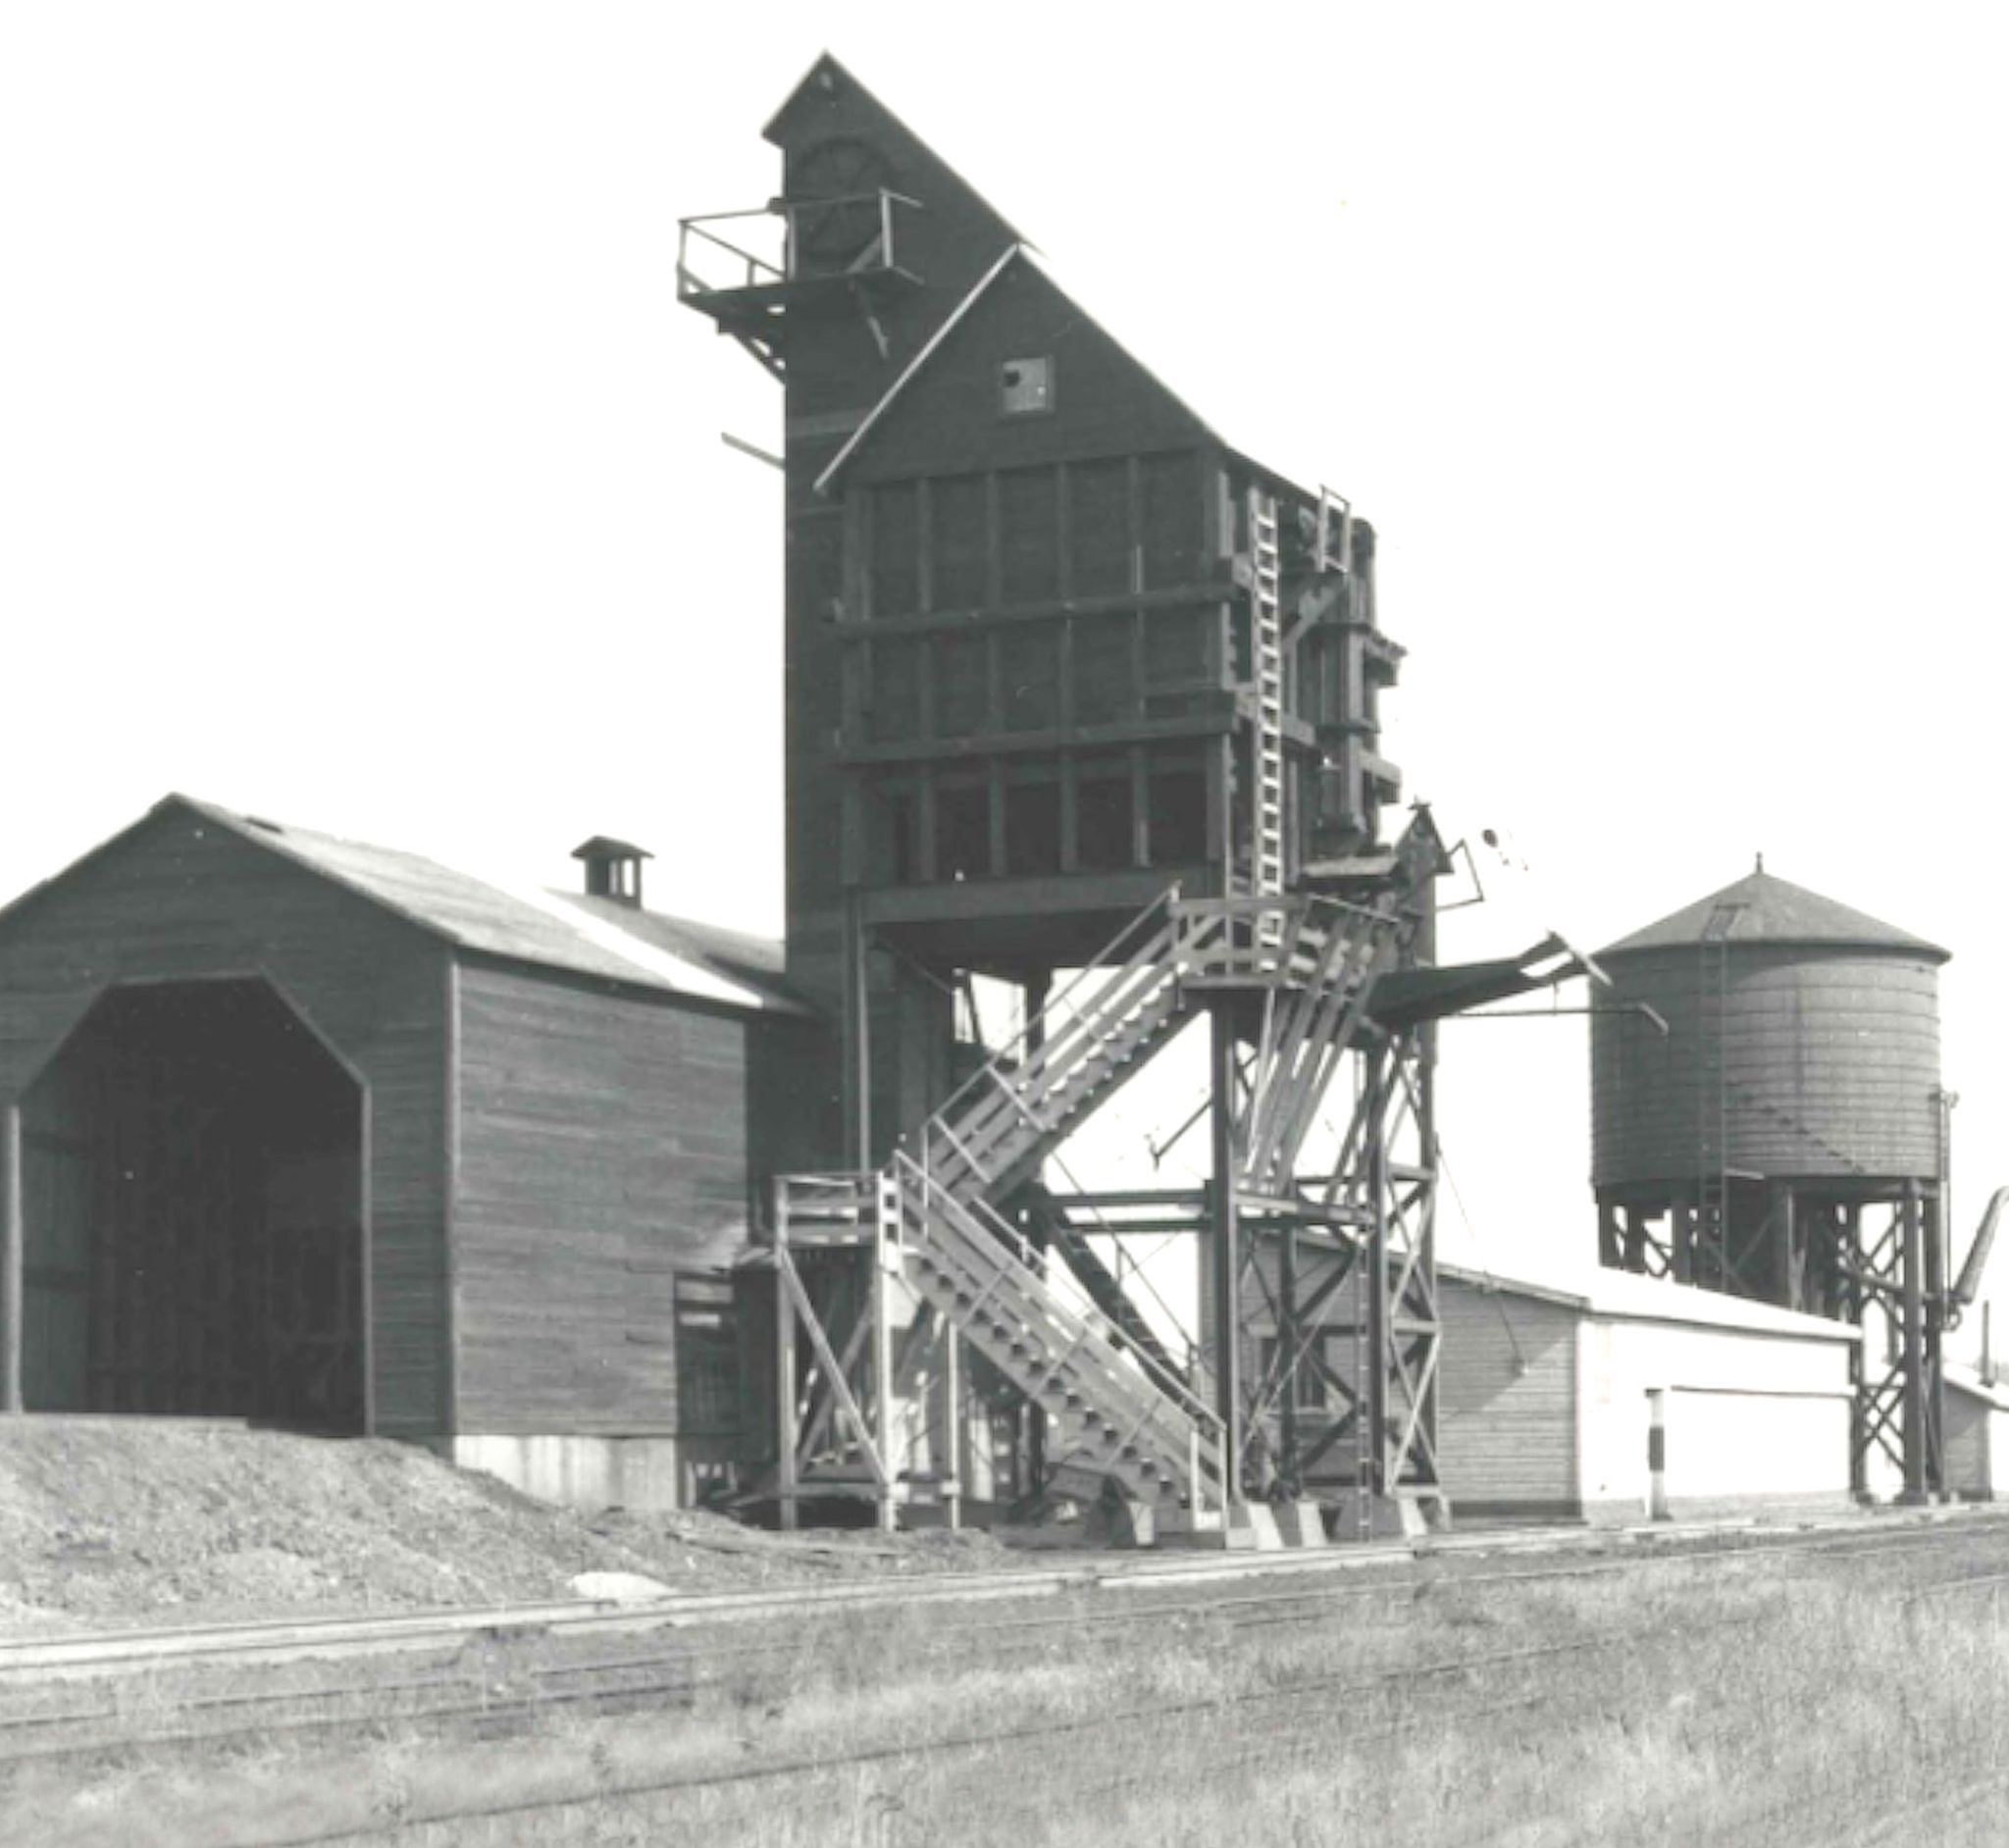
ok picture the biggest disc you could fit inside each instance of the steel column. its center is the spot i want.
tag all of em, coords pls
(1380, 1075)
(1225, 1250)
(1938, 1282)
(1290, 1347)
(1914, 1261)
(784, 1383)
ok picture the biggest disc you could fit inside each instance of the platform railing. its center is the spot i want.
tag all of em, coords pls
(778, 256)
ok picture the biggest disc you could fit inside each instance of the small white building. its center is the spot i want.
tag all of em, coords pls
(1975, 1435)
(1545, 1400)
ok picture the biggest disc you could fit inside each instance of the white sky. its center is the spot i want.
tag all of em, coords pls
(358, 468)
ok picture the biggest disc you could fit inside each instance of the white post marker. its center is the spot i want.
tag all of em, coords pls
(1657, 1453)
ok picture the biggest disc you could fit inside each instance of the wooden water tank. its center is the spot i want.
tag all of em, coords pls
(1803, 1041)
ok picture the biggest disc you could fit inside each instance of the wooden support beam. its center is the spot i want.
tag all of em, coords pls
(952, 1392)
(784, 1388)
(857, 1032)
(883, 1257)
(839, 1384)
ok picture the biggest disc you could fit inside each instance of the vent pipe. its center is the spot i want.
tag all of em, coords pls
(613, 869)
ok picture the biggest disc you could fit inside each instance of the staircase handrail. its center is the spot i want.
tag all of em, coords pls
(999, 1066)
(1104, 1229)
(1156, 1373)
(1016, 1246)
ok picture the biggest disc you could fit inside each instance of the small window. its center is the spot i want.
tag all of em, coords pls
(1025, 386)
(1104, 815)
(1032, 825)
(1175, 799)
(962, 831)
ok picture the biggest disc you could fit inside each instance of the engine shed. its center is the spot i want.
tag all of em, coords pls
(312, 1132)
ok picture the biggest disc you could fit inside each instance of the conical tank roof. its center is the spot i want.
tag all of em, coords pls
(1761, 908)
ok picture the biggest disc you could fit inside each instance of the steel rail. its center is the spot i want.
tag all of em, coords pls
(337, 1637)
(1141, 1715)
(609, 1684)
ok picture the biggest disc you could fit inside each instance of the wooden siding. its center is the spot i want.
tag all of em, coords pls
(603, 1147)
(1507, 1402)
(837, 372)
(839, 366)
(1104, 403)
(1831, 1059)
(1975, 1430)
(835, 364)
(178, 898)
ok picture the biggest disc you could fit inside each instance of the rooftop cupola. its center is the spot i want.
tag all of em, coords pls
(613, 868)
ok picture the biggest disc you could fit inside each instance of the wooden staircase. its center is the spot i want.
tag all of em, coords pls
(1117, 1409)
(1071, 1242)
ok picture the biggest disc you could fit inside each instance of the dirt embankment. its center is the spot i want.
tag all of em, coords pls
(113, 1523)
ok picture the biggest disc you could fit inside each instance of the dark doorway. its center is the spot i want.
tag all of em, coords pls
(192, 1169)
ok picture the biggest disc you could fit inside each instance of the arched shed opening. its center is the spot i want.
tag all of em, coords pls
(193, 1179)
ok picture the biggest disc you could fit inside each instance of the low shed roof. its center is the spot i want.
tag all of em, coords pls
(1624, 1296)
(1965, 1380)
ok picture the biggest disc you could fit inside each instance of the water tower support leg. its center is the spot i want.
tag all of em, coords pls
(1915, 1477)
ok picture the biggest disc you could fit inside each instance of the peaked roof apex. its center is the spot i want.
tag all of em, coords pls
(821, 77)
(1763, 908)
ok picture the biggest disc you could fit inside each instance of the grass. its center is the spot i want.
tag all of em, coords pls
(1750, 1702)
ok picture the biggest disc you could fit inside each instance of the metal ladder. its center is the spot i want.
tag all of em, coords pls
(1367, 1438)
(1266, 601)
(1712, 1252)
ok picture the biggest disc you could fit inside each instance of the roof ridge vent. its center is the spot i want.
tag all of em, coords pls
(613, 868)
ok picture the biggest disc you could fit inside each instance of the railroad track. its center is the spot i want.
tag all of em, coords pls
(485, 1701)
(337, 1637)
(1299, 1717)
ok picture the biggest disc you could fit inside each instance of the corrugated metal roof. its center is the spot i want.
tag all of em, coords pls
(735, 956)
(1761, 908)
(1625, 1296)
(569, 931)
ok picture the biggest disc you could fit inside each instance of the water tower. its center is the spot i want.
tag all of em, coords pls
(1767, 1120)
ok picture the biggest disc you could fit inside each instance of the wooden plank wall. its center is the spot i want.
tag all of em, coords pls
(60, 1212)
(1507, 1402)
(1038, 658)
(176, 898)
(1831, 1057)
(972, 553)
(603, 1148)
(1964, 1441)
